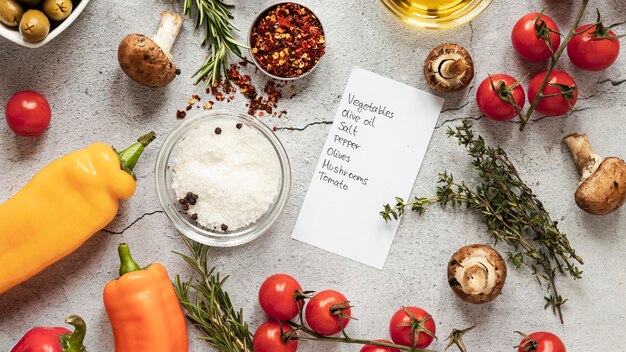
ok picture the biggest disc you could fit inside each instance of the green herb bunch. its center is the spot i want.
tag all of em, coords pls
(511, 211)
(216, 18)
(208, 306)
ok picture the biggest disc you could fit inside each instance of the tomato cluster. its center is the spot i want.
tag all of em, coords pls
(327, 313)
(536, 37)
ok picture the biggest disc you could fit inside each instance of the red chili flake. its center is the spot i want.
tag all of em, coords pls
(180, 114)
(259, 103)
(288, 40)
(189, 107)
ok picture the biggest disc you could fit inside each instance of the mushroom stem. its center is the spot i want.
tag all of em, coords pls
(586, 160)
(169, 28)
(452, 68)
(477, 273)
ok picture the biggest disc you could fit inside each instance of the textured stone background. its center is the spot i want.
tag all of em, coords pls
(92, 100)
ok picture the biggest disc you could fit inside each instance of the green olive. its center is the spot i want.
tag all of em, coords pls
(10, 12)
(30, 2)
(34, 26)
(57, 10)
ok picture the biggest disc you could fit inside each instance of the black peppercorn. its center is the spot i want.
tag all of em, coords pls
(182, 201)
(194, 196)
(224, 227)
(239, 126)
(192, 201)
(189, 194)
(185, 207)
(194, 216)
(218, 130)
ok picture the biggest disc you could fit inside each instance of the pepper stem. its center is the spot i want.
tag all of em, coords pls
(73, 341)
(127, 263)
(130, 155)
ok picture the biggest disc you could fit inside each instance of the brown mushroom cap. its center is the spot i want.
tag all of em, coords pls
(145, 62)
(448, 68)
(477, 273)
(605, 190)
(602, 189)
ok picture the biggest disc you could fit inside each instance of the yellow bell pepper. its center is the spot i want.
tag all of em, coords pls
(62, 206)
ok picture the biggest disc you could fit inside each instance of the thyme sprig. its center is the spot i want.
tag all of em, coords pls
(216, 18)
(512, 212)
(208, 306)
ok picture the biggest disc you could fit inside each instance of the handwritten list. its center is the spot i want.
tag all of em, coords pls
(373, 153)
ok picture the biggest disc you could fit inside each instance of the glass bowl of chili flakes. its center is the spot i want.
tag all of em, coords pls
(287, 41)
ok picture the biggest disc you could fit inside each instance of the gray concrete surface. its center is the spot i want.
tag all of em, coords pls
(92, 100)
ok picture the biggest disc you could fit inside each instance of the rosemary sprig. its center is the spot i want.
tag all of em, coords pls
(216, 18)
(511, 211)
(207, 305)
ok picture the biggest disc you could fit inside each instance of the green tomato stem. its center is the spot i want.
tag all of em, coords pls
(317, 337)
(553, 61)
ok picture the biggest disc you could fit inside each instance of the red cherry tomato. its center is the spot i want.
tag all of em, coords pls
(528, 36)
(28, 113)
(595, 49)
(277, 297)
(323, 312)
(268, 338)
(556, 105)
(542, 342)
(504, 102)
(400, 330)
(372, 348)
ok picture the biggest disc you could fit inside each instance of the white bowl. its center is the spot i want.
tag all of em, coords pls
(12, 34)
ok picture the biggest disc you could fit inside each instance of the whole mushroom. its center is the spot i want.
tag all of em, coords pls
(449, 68)
(477, 273)
(602, 187)
(148, 61)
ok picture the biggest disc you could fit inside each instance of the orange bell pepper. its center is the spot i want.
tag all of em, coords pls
(143, 309)
(63, 205)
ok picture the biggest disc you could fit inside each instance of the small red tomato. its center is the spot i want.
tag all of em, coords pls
(530, 37)
(595, 49)
(500, 97)
(559, 82)
(278, 297)
(542, 342)
(373, 348)
(412, 326)
(327, 312)
(28, 113)
(268, 338)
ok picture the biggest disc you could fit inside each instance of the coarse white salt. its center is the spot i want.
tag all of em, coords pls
(235, 173)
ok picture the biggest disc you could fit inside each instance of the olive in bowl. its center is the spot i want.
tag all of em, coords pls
(57, 10)
(10, 12)
(34, 26)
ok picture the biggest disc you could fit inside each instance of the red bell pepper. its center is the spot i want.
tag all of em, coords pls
(54, 339)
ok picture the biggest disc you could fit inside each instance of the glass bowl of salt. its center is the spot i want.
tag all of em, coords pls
(222, 178)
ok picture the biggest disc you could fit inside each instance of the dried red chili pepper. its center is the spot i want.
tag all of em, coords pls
(288, 40)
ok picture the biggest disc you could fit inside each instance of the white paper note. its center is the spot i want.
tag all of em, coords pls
(373, 153)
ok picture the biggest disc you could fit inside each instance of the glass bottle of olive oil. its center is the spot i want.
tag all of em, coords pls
(437, 13)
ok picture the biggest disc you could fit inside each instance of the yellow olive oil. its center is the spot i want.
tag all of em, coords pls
(436, 13)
